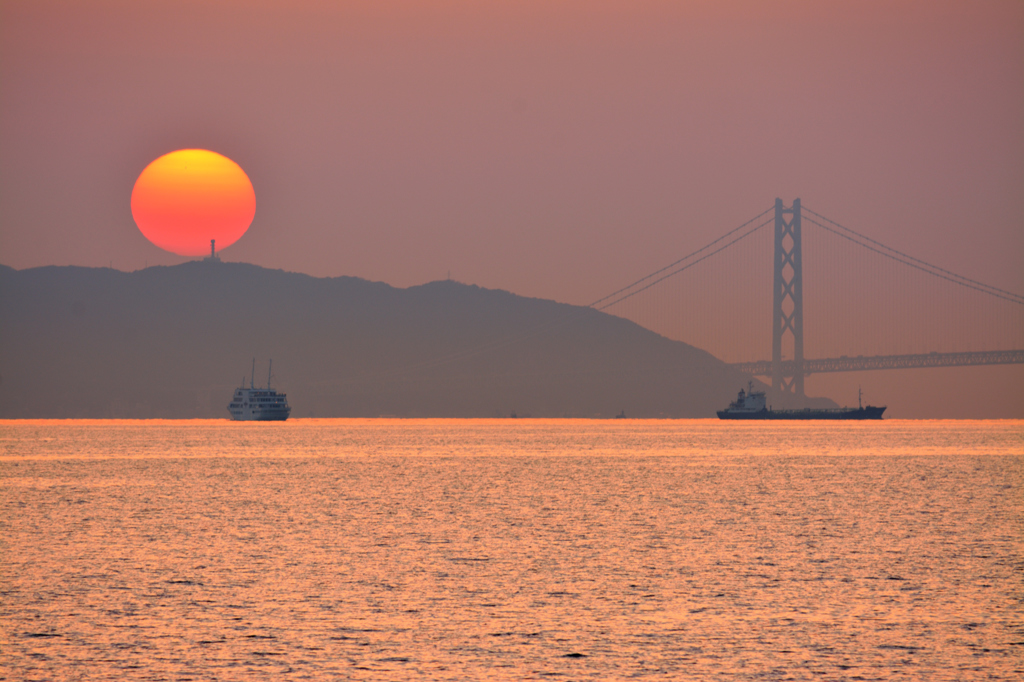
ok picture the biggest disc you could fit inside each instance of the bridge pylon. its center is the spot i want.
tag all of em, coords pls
(788, 307)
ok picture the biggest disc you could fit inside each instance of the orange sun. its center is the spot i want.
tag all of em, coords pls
(186, 198)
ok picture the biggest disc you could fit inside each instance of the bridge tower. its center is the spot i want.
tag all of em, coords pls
(788, 307)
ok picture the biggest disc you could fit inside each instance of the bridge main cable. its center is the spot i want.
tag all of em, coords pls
(731, 232)
(862, 363)
(909, 260)
(551, 325)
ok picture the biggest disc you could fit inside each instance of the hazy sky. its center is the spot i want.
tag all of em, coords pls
(552, 148)
(555, 149)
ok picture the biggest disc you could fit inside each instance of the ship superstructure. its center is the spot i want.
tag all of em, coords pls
(259, 404)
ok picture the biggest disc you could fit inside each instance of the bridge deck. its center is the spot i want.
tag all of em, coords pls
(863, 363)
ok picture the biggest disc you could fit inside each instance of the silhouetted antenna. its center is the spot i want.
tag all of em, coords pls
(252, 379)
(213, 251)
(270, 366)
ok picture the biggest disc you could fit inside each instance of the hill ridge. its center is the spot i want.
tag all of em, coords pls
(169, 341)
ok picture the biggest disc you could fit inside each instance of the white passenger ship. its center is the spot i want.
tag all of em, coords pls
(259, 404)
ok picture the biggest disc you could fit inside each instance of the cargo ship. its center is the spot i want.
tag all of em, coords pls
(259, 404)
(751, 404)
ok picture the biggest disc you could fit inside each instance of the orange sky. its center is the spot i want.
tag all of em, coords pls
(554, 149)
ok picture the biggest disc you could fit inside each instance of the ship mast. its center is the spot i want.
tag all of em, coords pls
(270, 366)
(252, 379)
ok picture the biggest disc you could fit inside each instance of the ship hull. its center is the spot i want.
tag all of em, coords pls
(260, 415)
(868, 412)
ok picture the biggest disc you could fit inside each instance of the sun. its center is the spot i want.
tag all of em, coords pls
(184, 199)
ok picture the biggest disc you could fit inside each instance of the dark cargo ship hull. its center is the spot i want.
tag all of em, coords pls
(868, 412)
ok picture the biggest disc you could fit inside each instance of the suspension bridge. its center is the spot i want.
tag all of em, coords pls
(865, 293)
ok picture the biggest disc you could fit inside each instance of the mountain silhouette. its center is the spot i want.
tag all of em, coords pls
(174, 341)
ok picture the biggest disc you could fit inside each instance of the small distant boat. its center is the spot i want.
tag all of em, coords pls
(259, 404)
(751, 404)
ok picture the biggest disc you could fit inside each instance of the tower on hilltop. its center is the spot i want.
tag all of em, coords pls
(213, 252)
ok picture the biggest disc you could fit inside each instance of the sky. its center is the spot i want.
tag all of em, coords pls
(556, 149)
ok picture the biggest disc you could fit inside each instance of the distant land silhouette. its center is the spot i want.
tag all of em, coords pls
(173, 342)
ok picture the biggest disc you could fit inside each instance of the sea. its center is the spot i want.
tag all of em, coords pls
(511, 549)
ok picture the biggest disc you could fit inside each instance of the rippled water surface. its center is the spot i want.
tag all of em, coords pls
(511, 549)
